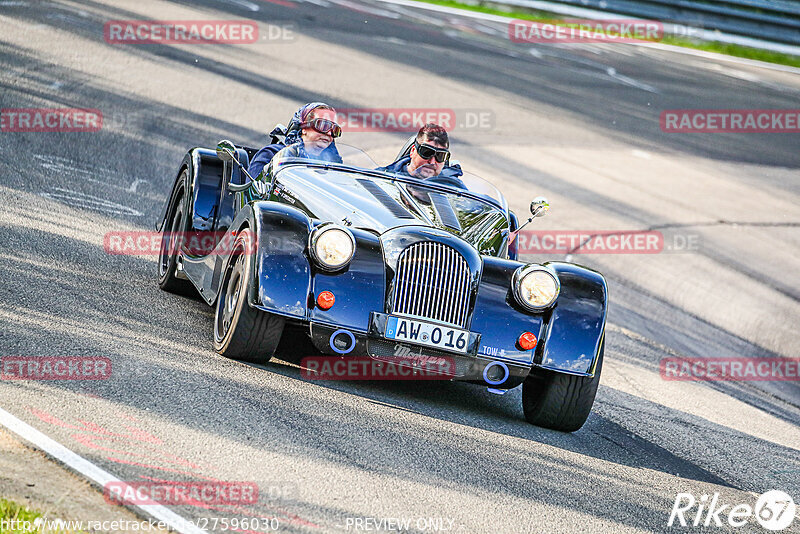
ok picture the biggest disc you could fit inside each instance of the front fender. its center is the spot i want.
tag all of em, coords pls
(281, 271)
(280, 274)
(359, 288)
(284, 280)
(575, 329)
(499, 318)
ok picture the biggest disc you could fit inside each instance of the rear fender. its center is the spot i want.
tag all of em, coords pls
(178, 188)
(203, 184)
(201, 190)
(206, 184)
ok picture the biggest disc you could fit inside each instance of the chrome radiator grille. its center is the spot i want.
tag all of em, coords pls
(432, 282)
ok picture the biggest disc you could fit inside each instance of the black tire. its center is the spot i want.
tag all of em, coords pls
(240, 331)
(560, 401)
(174, 226)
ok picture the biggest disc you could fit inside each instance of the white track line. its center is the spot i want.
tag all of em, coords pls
(91, 471)
(245, 4)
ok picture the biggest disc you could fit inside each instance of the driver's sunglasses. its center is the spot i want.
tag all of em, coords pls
(428, 151)
(324, 126)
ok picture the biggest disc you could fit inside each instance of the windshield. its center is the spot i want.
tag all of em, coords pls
(377, 200)
(352, 156)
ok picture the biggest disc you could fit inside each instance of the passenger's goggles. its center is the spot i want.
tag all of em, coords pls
(428, 152)
(323, 126)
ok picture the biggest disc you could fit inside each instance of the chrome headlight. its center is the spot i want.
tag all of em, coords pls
(535, 286)
(331, 246)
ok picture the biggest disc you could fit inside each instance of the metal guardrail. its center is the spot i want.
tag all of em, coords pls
(770, 20)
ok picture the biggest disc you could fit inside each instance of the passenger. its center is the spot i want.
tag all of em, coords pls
(427, 158)
(300, 128)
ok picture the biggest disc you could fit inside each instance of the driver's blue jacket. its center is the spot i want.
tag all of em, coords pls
(448, 176)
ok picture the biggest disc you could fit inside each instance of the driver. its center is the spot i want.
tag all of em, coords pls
(427, 158)
(313, 127)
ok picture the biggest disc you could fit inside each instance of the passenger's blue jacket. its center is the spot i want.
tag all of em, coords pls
(448, 176)
(263, 157)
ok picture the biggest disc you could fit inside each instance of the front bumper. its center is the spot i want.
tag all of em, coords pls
(469, 367)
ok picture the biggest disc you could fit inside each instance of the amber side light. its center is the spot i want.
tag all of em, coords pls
(527, 341)
(326, 299)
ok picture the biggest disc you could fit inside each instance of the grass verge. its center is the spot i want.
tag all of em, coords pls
(13, 516)
(709, 46)
(18, 519)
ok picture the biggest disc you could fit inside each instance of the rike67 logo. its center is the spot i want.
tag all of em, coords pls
(774, 510)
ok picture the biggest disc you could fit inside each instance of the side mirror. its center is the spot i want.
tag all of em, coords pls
(539, 207)
(226, 151)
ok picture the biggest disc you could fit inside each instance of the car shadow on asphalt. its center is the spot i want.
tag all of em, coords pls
(164, 367)
(611, 439)
(88, 291)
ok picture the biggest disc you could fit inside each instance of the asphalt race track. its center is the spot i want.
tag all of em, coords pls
(576, 123)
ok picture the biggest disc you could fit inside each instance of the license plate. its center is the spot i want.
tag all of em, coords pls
(432, 335)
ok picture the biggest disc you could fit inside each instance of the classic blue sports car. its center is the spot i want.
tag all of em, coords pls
(363, 262)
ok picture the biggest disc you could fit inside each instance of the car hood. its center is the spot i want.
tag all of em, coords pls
(349, 198)
(379, 204)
